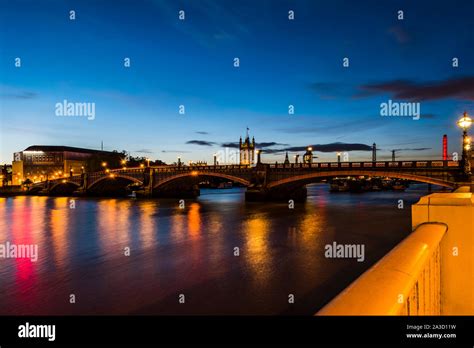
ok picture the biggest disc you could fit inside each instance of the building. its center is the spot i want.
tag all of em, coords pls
(6, 175)
(43, 162)
(247, 150)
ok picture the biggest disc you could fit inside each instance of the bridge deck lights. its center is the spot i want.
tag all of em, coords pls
(194, 173)
(465, 122)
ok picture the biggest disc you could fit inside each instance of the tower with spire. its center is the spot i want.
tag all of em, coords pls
(247, 150)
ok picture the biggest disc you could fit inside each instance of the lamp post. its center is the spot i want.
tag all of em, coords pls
(464, 123)
(338, 157)
(308, 156)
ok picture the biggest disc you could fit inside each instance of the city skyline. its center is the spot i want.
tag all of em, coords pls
(190, 62)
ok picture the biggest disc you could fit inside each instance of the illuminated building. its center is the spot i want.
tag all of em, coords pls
(43, 162)
(247, 150)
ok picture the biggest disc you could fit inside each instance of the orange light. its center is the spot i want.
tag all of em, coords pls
(194, 173)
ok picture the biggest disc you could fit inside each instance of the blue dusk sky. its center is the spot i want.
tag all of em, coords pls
(191, 62)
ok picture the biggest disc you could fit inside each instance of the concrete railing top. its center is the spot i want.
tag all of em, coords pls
(376, 292)
(454, 199)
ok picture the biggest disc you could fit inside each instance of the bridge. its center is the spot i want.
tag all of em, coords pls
(263, 181)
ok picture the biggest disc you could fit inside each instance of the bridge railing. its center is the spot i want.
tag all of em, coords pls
(377, 164)
(184, 168)
(404, 282)
(316, 165)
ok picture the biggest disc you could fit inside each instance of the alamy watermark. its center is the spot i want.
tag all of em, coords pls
(345, 251)
(19, 251)
(70, 109)
(403, 109)
(28, 330)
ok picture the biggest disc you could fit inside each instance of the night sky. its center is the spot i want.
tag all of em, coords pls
(191, 63)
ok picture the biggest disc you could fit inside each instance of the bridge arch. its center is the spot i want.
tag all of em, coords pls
(193, 174)
(63, 187)
(61, 183)
(334, 173)
(97, 181)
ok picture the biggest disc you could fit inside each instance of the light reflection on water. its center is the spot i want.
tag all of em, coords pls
(191, 251)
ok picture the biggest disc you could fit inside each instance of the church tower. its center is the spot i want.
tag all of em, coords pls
(247, 150)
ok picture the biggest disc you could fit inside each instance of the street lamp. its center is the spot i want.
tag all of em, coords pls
(465, 123)
(338, 157)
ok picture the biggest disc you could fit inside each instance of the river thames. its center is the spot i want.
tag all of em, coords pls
(192, 251)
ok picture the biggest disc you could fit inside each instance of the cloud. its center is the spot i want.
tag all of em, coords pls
(202, 132)
(174, 151)
(201, 142)
(455, 88)
(331, 147)
(231, 145)
(414, 149)
(263, 145)
(144, 151)
(18, 94)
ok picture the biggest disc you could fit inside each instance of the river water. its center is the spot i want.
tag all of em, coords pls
(224, 255)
